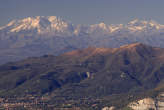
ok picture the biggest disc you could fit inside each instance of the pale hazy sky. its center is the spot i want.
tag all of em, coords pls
(84, 11)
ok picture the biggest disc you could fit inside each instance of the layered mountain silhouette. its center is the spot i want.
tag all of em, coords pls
(40, 35)
(90, 72)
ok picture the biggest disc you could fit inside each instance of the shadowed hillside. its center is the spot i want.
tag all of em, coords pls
(88, 72)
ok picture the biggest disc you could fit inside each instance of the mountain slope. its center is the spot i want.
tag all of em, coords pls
(40, 35)
(39, 25)
(55, 26)
(92, 72)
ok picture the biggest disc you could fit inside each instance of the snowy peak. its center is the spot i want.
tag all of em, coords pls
(138, 22)
(55, 26)
(40, 25)
(139, 25)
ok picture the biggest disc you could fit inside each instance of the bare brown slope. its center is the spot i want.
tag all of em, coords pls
(88, 72)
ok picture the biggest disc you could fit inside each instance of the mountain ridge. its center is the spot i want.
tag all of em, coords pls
(45, 24)
(91, 60)
(40, 35)
(134, 70)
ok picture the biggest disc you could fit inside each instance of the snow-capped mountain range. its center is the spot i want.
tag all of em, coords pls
(40, 35)
(39, 25)
(55, 26)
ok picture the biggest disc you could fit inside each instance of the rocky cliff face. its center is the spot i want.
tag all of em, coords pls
(149, 103)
